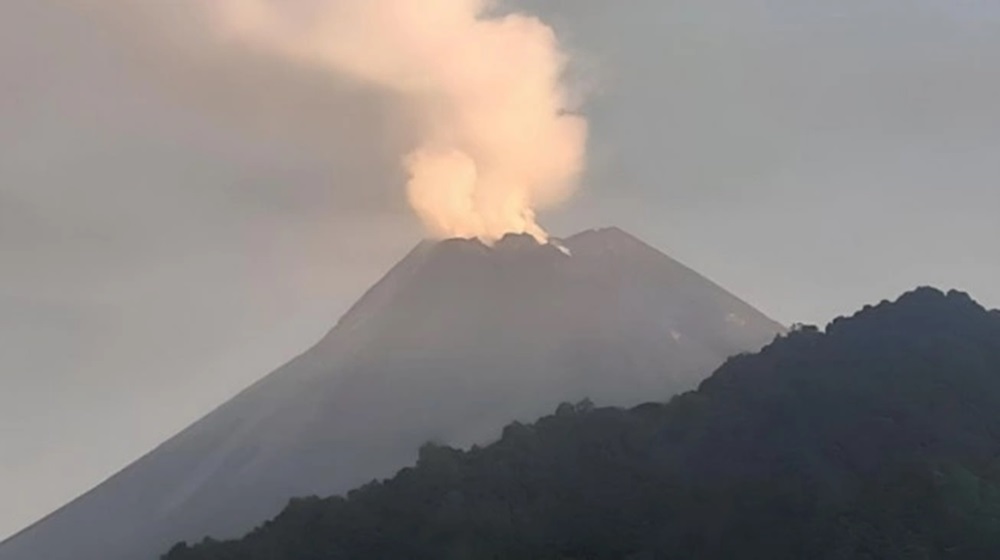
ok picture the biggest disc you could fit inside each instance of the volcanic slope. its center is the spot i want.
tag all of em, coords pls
(456, 341)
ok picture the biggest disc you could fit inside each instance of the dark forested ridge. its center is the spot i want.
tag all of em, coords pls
(878, 438)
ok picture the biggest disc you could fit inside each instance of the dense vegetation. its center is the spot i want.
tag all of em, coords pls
(879, 438)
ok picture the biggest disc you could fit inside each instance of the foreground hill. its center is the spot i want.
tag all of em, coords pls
(456, 341)
(879, 439)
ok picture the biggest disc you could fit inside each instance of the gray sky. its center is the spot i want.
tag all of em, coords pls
(179, 217)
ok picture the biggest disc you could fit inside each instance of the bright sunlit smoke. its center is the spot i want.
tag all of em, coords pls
(496, 141)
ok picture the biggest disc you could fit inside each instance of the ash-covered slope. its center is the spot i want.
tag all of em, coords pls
(455, 342)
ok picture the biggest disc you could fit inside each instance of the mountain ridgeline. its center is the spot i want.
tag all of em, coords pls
(456, 341)
(877, 438)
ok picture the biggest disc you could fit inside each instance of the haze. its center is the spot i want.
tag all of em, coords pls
(178, 217)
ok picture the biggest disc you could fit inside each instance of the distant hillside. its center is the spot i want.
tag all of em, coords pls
(878, 439)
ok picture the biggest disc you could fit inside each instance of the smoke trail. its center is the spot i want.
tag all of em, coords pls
(495, 141)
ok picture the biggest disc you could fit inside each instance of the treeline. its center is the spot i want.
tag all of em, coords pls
(879, 438)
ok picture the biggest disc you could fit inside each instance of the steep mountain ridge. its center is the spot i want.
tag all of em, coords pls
(457, 340)
(878, 438)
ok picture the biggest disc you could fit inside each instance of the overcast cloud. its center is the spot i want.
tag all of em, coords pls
(178, 216)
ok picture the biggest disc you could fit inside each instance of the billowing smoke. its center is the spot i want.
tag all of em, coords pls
(496, 138)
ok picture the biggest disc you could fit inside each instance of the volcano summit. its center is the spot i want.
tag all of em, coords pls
(457, 340)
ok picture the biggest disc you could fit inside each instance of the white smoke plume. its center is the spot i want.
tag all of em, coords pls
(496, 140)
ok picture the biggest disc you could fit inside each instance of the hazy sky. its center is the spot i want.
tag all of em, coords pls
(177, 216)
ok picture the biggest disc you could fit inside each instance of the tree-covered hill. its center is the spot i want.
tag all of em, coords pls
(878, 438)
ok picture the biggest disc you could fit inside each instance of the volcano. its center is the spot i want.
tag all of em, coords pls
(457, 340)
